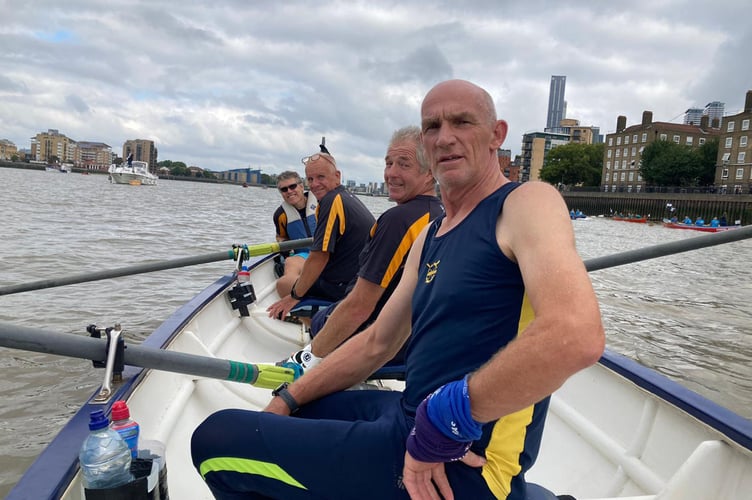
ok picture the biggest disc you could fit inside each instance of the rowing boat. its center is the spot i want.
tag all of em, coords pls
(615, 430)
(692, 227)
(639, 220)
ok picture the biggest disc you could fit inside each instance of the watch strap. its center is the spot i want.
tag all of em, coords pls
(282, 393)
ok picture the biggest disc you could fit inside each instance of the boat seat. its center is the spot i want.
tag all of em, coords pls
(306, 308)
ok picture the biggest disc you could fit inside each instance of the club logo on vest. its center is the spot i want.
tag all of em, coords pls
(432, 270)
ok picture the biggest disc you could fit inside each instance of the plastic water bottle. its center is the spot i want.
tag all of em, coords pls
(244, 276)
(127, 428)
(104, 457)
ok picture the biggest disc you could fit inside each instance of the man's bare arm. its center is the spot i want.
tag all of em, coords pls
(567, 334)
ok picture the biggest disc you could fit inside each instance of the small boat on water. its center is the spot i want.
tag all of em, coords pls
(692, 227)
(614, 430)
(61, 169)
(136, 175)
(639, 220)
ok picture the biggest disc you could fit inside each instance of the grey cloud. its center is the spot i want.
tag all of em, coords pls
(77, 104)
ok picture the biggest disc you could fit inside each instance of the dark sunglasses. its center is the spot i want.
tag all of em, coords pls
(291, 186)
(307, 159)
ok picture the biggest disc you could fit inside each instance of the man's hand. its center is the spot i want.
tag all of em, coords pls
(425, 480)
(282, 307)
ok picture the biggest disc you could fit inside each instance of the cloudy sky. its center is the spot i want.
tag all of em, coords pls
(234, 83)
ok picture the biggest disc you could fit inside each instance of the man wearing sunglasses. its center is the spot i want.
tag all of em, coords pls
(342, 228)
(294, 219)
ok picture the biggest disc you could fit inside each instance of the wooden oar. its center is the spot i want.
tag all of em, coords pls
(253, 250)
(77, 346)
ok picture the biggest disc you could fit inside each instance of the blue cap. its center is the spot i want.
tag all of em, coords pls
(98, 420)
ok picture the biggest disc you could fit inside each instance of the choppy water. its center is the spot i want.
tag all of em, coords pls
(688, 316)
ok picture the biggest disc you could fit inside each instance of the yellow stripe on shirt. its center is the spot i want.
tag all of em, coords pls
(403, 249)
(337, 210)
(508, 436)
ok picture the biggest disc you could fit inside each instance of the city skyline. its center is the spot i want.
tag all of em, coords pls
(225, 84)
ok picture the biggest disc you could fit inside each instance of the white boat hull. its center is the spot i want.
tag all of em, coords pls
(137, 175)
(608, 434)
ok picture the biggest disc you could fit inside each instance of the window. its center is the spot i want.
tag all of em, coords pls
(739, 173)
(631, 176)
(644, 137)
(613, 188)
(626, 152)
(624, 164)
(690, 139)
(676, 139)
(743, 141)
(729, 142)
(608, 165)
(610, 141)
(605, 189)
(618, 153)
(740, 158)
(634, 150)
(730, 127)
(724, 173)
(701, 141)
(626, 140)
(618, 141)
(634, 139)
(608, 176)
(663, 137)
(642, 148)
(745, 124)
(726, 157)
(638, 188)
(623, 176)
(608, 154)
(629, 188)
(639, 177)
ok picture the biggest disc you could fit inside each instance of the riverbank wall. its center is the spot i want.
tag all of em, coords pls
(657, 206)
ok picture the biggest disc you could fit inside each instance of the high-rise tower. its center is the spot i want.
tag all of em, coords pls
(557, 106)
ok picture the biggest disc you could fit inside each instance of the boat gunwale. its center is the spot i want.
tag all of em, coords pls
(735, 427)
(59, 460)
(51, 473)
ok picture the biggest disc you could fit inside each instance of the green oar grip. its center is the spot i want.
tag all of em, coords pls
(271, 376)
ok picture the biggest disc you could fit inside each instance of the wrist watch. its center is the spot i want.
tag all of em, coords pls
(282, 393)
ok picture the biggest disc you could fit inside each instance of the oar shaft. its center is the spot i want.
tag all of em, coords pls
(253, 250)
(76, 346)
(670, 248)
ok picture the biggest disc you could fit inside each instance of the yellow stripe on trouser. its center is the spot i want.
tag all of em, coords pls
(246, 466)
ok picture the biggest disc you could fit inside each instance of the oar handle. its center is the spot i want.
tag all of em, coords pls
(77, 346)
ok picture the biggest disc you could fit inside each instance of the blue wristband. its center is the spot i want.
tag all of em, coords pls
(427, 444)
(449, 411)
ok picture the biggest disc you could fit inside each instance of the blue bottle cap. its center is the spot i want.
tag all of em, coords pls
(98, 420)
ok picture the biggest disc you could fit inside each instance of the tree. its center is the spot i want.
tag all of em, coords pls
(667, 163)
(574, 164)
(708, 154)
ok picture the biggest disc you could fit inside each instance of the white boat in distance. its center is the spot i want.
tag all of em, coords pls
(138, 174)
(616, 430)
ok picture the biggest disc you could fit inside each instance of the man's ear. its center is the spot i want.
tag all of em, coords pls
(500, 133)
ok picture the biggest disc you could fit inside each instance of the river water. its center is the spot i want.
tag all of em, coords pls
(687, 316)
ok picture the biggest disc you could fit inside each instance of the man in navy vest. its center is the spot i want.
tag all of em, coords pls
(498, 311)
